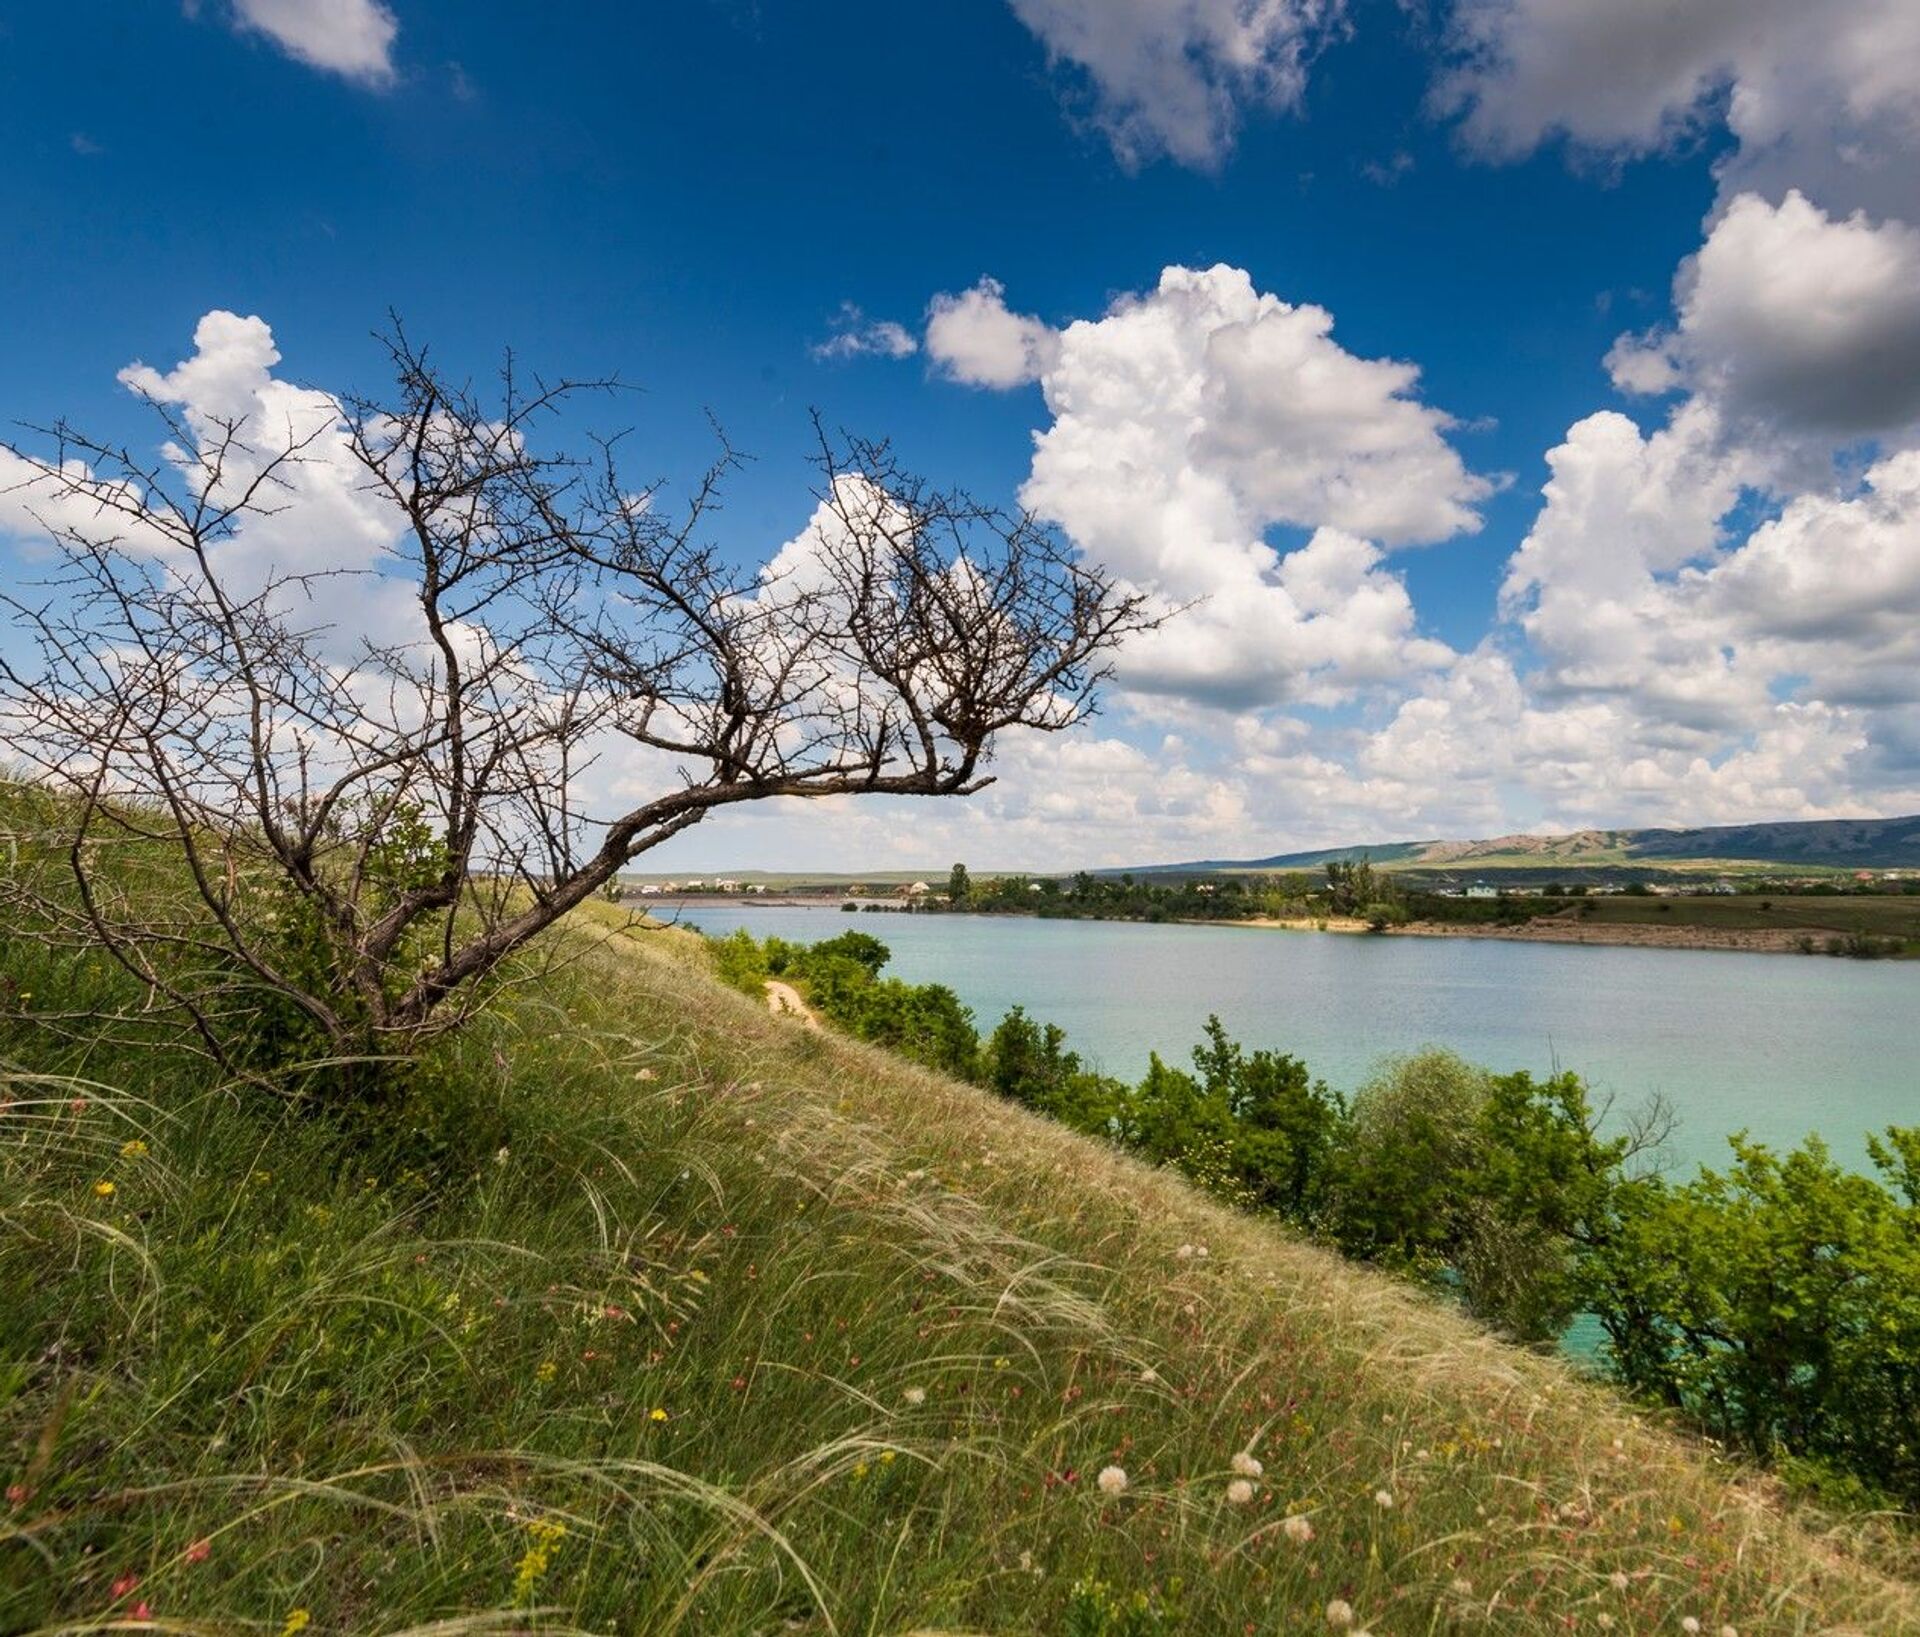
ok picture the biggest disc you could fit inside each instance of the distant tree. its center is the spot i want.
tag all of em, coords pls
(370, 822)
(959, 888)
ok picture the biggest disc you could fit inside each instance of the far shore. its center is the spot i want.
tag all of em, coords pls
(1750, 940)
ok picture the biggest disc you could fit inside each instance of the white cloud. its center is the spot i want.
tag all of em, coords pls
(1187, 423)
(857, 336)
(1790, 320)
(1170, 77)
(352, 38)
(1821, 96)
(975, 339)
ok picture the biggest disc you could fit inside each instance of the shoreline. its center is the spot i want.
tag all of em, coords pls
(1741, 940)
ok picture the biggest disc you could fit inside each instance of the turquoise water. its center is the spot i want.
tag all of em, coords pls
(1778, 1045)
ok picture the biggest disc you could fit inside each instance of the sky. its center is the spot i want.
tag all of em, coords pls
(1520, 397)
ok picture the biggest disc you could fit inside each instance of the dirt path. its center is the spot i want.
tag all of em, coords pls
(783, 1000)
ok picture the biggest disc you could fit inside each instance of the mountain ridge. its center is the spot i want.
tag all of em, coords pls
(1867, 843)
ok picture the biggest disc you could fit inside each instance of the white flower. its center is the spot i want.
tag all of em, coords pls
(1383, 1498)
(1239, 1492)
(1729, 1631)
(1185, 1253)
(1690, 1626)
(1603, 1621)
(1200, 1253)
(1618, 1580)
(1112, 1480)
(1463, 1587)
(1339, 1614)
(1247, 1465)
(1149, 1375)
(916, 1396)
(1299, 1530)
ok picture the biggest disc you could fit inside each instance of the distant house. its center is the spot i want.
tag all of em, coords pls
(1481, 890)
(918, 889)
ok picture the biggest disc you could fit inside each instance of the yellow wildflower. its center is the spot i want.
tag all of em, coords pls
(536, 1558)
(297, 1621)
(104, 1189)
(545, 1370)
(656, 1415)
(135, 1150)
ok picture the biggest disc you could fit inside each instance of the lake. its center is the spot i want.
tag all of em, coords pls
(1779, 1045)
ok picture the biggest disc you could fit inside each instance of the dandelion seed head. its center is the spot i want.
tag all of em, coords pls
(1112, 1481)
(1247, 1465)
(915, 1396)
(1340, 1614)
(1298, 1530)
(1383, 1498)
(1239, 1492)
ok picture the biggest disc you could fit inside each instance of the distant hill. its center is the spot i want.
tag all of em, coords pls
(1882, 844)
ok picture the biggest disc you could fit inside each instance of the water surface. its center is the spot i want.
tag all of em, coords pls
(1778, 1045)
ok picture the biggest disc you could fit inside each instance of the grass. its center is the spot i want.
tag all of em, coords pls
(650, 1312)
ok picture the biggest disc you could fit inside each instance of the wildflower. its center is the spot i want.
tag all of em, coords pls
(297, 1621)
(104, 1189)
(1383, 1498)
(199, 1551)
(656, 1415)
(1112, 1481)
(1618, 1580)
(1199, 1253)
(1690, 1626)
(125, 1584)
(545, 1370)
(534, 1561)
(134, 1150)
(647, 1074)
(1463, 1587)
(1239, 1492)
(1150, 1375)
(1729, 1631)
(914, 1397)
(502, 1154)
(1298, 1530)
(1247, 1465)
(1340, 1614)
(1603, 1621)
(143, 1610)
(1185, 1253)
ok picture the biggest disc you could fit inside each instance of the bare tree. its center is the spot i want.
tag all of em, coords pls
(371, 776)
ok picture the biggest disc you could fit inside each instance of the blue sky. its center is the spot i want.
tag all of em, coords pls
(698, 195)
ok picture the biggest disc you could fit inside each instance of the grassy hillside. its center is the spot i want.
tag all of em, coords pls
(651, 1312)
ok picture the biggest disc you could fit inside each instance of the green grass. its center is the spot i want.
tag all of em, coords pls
(649, 1312)
(1882, 915)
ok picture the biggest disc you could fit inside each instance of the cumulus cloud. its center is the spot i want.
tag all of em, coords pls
(1188, 422)
(973, 338)
(352, 38)
(1825, 96)
(1170, 77)
(857, 336)
(1791, 320)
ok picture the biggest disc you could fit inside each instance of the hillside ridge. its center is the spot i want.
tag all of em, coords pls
(1865, 843)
